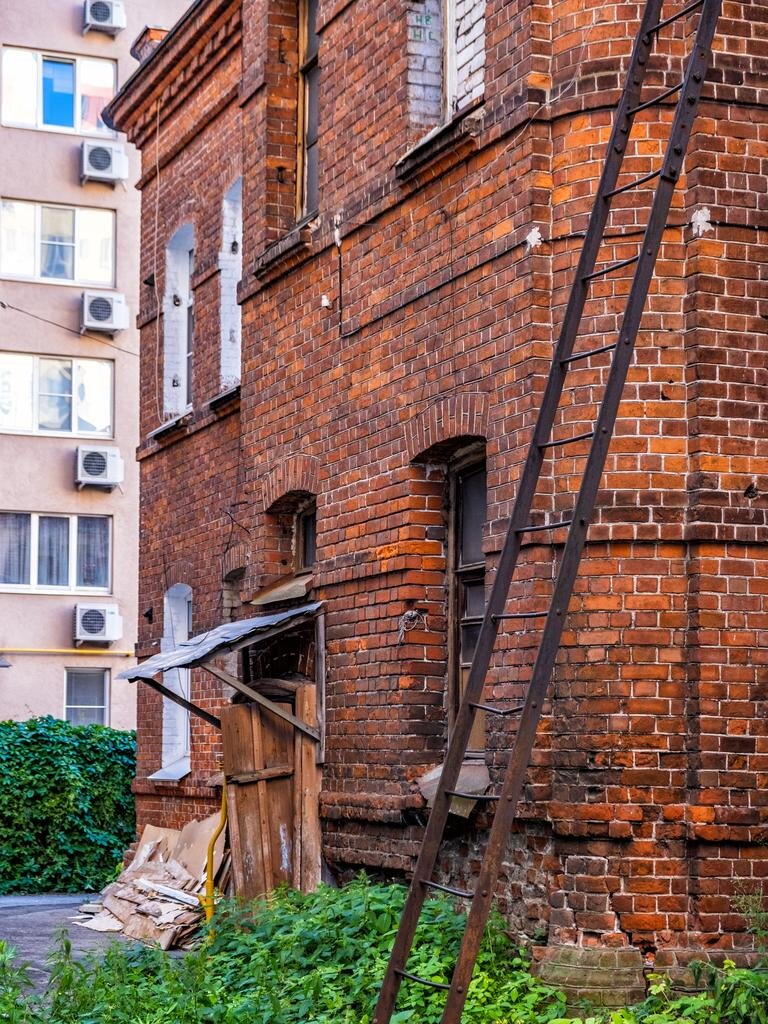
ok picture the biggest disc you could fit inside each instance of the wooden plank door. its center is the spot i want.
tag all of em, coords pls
(273, 788)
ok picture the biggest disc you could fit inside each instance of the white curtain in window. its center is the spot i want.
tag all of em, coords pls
(15, 530)
(53, 552)
(19, 87)
(92, 551)
(17, 375)
(17, 239)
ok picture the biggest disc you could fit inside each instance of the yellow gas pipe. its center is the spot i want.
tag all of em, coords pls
(208, 900)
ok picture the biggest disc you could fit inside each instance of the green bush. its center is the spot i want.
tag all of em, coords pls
(66, 808)
(319, 959)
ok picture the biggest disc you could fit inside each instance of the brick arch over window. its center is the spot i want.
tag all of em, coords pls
(434, 433)
(294, 478)
(235, 560)
(180, 571)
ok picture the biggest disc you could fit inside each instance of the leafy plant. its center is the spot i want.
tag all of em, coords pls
(66, 808)
(752, 907)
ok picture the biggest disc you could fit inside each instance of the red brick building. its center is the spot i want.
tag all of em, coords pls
(401, 190)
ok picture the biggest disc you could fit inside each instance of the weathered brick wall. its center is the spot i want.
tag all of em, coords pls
(644, 805)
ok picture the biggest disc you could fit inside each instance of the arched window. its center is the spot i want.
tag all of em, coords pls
(177, 627)
(178, 322)
(230, 272)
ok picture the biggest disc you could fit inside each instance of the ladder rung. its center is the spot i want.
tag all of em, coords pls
(610, 267)
(498, 711)
(520, 615)
(673, 17)
(632, 184)
(447, 888)
(530, 528)
(470, 796)
(590, 352)
(568, 440)
(656, 100)
(422, 981)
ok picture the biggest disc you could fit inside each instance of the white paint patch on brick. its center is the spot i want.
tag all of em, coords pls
(470, 51)
(425, 62)
(177, 291)
(230, 272)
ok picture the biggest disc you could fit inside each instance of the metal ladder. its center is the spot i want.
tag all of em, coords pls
(506, 801)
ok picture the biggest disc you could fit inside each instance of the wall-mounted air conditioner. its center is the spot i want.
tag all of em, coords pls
(99, 467)
(97, 623)
(104, 16)
(106, 312)
(103, 161)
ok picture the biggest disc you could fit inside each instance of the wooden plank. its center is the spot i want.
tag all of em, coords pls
(260, 790)
(206, 716)
(297, 807)
(278, 740)
(311, 845)
(320, 684)
(244, 815)
(278, 772)
(248, 691)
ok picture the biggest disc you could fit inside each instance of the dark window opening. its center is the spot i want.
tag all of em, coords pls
(306, 539)
(309, 90)
(469, 506)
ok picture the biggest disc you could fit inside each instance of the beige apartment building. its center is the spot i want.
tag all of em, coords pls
(69, 289)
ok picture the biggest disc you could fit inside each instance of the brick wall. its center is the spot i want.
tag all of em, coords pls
(644, 806)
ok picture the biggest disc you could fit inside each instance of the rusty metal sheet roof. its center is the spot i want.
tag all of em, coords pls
(230, 636)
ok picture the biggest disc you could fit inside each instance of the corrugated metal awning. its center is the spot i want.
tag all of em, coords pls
(230, 636)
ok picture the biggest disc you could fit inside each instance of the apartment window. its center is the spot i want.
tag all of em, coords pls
(179, 321)
(56, 92)
(57, 243)
(468, 503)
(54, 552)
(87, 696)
(306, 539)
(309, 90)
(44, 395)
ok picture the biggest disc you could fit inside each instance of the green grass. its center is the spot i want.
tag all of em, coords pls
(319, 959)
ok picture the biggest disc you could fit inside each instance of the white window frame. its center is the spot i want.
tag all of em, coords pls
(76, 59)
(34, 544)
(76, 281)
(106, 692)
(450, 73)
(36, 430)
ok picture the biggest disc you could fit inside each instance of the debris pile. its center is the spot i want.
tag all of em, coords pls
(157, 897)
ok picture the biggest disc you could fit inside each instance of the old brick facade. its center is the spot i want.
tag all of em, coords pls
(646, 805)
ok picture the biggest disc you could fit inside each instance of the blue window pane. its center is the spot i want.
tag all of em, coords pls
(58, 93)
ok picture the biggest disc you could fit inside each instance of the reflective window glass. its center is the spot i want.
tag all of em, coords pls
(86, 696)
(55, 395)
(95, 246)
(19, 84)
(93, 396)
(97, 87)
(57, 237)
(17, 376)
(17, 239)
(58, 93)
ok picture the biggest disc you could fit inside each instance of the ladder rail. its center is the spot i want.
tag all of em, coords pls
(514, 779)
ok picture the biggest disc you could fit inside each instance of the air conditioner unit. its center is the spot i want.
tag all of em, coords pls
(103, 161)
(99, 467)
(106, 312)
(104, 16)
(97, 623)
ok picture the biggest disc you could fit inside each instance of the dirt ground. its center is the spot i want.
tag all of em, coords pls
(30, 924)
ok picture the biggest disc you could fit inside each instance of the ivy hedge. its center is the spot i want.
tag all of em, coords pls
(66, 807)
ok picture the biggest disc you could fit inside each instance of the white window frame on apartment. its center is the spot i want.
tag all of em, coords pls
(34, 544)
(32, 401)
(77, 60)
(77, 280)
(104, 706)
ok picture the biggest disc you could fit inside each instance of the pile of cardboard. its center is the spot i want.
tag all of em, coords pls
(156, 898)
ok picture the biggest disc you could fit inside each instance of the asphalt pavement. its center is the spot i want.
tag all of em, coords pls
(30, 924)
